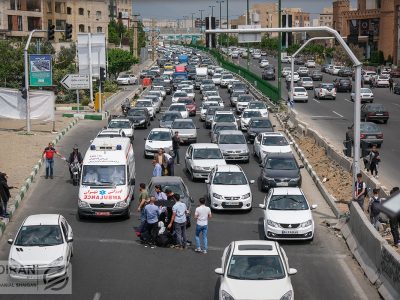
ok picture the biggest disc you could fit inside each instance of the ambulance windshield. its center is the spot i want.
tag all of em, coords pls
(103, 175)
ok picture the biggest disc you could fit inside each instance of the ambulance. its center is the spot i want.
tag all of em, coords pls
(107, 179)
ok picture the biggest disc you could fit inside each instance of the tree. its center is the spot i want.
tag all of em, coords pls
(119, 60)
(116, 30)
(341, 56)
(270, 44)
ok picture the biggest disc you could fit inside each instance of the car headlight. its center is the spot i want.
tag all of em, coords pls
(295, 179)
(142, 121)
(215, 195)
(287, 296)
(272, 223)
(83, 204)
(14, 264)
(197, 168)
(306, 224)
(246, 196)
(226, 296)
(147, 147)
(121, 204)
(57, 261)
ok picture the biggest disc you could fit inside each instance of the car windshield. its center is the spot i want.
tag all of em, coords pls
(186, 101)
(183, 125)
(245, 98)
(232, 139)
(255, 267)
(206, 105)
(236, 93)
(257, 105)
(369, 127)
(102, 175)
(224, 127)
(251, 114)
(376, 107)
(143, 104)
(210, 93)
(281, 164)
(159, 136)
(307, 79)
(209, 88)
(224, 118)
(327, 86)
(230, 178)
(39, 236)
(180, 94)
(300, 90)
(260, 124)
(119, 124)
(175, 187)
(238, 87)
(366, 91)
(123, 76)
(207, 154)
(227, 77)
(274, 141)
(288, 202)
(177, 108)
(169, 117)
(136, 112)
(208, 81)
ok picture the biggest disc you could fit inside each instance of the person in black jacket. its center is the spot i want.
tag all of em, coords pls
(74, 157)
(4, 194)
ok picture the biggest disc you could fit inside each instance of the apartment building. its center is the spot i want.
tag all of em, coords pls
(326, 17)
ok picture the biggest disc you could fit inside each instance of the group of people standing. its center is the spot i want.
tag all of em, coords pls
(164, 219)
(164, 160)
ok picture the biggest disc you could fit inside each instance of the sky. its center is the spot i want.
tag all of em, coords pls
(174, 9)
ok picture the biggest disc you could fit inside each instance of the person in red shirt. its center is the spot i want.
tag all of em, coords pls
(48, 155)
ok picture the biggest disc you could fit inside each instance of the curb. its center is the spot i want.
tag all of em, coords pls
(69, 108)
(97, 117)
(29, 180)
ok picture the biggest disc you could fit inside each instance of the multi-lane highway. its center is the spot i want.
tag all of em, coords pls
(109, 263)
(331, 119)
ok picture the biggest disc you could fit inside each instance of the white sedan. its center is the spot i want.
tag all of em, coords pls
(299, 94)
(157, 138)
(382, 81)
(255, 269)
(217, 79)
(287, 215)
(264, 63)
(126, 79)
(270, 142)
(178, 95)
(181, 108)
(296, 77)
(366, 95)
(44, 241)
(190, 93)
(246, 116)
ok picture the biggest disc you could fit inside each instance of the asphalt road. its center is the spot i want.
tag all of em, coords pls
(109, 263)
(331, 119)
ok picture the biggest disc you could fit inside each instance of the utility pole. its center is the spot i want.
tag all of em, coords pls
(248, 45)
(201, 20)
(135, 36)
(212, 10)
(192, 22)
(280, 51)
(153, 29)
(227, 23)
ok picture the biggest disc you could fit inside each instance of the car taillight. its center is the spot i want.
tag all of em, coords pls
(362, 136)
(386, 113)
(371, 114)
(379, 136)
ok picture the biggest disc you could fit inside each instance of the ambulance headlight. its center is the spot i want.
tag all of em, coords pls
(121, 204)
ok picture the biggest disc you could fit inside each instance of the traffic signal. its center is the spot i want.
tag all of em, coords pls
(103, 74)
(68, 31)
(50, 32)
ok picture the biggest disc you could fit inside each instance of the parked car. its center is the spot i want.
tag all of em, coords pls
(241, 277)
(187, 130)
(229, 188)
(200, 158)
(325, 90)
(371, 112)
(287, 215)
(343, 85)
(366, 95)
(280, 170)
(270, 142)
(258, 125)
(369, 133)
(299, 94)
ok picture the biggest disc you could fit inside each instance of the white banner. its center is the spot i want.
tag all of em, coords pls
(98, 44)
(13, 106)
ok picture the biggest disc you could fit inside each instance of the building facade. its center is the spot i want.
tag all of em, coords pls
(376, 24)
(326, 17)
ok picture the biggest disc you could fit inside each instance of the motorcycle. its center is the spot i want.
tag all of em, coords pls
(125, 107)
(76, 172)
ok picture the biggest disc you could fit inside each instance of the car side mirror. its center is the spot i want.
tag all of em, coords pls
(292, 271)
(262, 206)
(145, 138)
(349, 127)
(10, 241)
(70, 240)
(219, 271)
(314, 206)
(132, 181)
(301, 167)
(207, 181)
(252, 181)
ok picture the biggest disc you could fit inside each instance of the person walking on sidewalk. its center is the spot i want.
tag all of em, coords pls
(374, 159)
(176, 140)
(48, 154)
(394, 223)
(202, 214)
(360, 191)
(178, 220)
(373, 208)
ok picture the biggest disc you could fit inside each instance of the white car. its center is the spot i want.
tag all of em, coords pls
(223, 117)
(243, 101)
(255, 270)
(246, 116)
(382, 81)
(228, 188)
(187, 130)
(157, 138)
(204, 106)
(369, 75)
(336, 70)
(296, 77)
(264, 63)
(217, 78)
(216, 99)
(299, 94)
(310, 63)
(178, 95)
(270, 142)
(366, 95)
(256, 55)
(125, 79)
(325, 90)
(306, 82)
(287, 215)
(285, 59)
(190, 93)
(161, 89)
(207, 94)
(226, 79)
(189, 83)
(286, 71)
(44, 241)
(125, 125)
(260, 106)
(148, 104)
(200, 158)
(181, 108)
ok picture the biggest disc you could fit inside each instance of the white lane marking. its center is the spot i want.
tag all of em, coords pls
(396, 104)
(97, 296)
(337, 114)
(351, 278)
(348, 100)
(316, 100)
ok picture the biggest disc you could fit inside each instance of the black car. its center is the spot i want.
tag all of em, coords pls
(316, 75)
(343, 85)
(370, 133)
(280, 170)
(374, 112)
(345, 72)
(268, 74)
(396, 89)
(324, 68)
(140, 117)
(299, 61)
(258, 125)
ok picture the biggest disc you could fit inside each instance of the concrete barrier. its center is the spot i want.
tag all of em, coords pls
(390, 273)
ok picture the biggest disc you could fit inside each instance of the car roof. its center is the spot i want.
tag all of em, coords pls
(204, 145)
(119, 120)
(166, 179)
(229, 168)
(272, 134)
(184, 120)
(161, 129)
(280, 155)
(255, 247)
(42, 219)
(287, 191)
(229, 132)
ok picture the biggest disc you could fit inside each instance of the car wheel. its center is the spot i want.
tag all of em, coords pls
(127, 216)
(334, 98)
(145, 125)
(385, 121)
(191, 176)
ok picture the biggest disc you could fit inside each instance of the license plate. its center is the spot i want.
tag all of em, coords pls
(231, 203)
(282, 184)
(103, 213)
(379, 114)
(372, 137)
(289, 232)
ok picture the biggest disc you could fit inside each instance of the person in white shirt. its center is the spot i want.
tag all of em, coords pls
(202, 214)
(91, 176)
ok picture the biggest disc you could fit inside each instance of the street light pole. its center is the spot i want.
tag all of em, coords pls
(227, 23)
(279, 51)
(248, 45)
(201, 20)
(192, 22)
(212, 10)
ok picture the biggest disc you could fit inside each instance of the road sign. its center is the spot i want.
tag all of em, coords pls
(76, 82)
(249, 37)
(40, 70)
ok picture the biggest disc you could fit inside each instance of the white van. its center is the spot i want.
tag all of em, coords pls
(108, 178)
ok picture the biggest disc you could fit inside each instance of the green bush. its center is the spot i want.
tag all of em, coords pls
(110, 86)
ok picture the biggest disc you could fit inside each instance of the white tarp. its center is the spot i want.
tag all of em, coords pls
(98, 55)
(13, 106)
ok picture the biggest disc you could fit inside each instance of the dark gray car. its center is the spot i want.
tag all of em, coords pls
(258, 125)
(280, 170)
(168, 118)
(140, 117)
